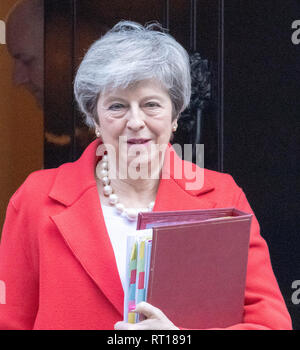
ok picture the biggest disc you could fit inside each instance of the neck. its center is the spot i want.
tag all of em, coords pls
(135, 182)
(132, 191)
(135, 193)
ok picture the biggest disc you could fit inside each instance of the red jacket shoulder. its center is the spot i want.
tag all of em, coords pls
(36, 186)
(225, 191)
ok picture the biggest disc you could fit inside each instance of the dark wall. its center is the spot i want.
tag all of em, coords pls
(261, 124)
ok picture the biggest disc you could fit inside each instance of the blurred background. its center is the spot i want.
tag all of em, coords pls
(21, 124)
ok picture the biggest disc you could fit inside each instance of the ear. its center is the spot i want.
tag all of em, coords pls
(174, 125)
(96, 125)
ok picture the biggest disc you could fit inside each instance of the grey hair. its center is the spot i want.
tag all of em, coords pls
(129, 53)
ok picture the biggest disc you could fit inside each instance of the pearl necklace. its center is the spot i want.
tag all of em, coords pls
(102, 175)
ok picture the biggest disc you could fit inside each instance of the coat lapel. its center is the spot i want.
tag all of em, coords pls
(81, 222)
(82, 226)
(83, 229)
(175, 191)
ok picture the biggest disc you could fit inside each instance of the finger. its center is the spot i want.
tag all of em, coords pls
(149, 310)
(155, 324)
(149, 324)
(121, 326)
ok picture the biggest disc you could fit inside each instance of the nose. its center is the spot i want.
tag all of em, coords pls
(135, 118)
(20, 75)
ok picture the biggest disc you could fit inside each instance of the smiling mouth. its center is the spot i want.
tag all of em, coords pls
(138, 141)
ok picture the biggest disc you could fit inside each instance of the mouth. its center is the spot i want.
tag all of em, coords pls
(138, 141)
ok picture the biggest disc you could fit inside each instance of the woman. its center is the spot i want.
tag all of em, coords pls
(63, 242)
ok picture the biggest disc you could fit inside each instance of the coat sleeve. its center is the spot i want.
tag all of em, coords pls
(264, 307)
(19, 278)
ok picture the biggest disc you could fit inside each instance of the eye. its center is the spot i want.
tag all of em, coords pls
(116, 107)
(152, 104)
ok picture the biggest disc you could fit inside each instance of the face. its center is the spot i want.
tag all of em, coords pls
(136, 120)
(25, 45)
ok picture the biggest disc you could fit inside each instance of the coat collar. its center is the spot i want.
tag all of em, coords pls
(75, 178)
(82, 225)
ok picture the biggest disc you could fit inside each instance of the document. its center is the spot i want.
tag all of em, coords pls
(192, 265)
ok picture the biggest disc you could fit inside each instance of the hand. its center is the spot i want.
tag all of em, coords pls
(155, 319)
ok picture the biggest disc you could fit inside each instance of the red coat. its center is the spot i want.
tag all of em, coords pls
(58, 264)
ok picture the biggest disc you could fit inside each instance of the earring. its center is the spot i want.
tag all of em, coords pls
(174, 128)
(98, 133)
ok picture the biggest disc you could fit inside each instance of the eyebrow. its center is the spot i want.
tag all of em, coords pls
(154, 96)
(112, 98)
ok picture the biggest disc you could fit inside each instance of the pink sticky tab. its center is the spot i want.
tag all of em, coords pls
(141, 280)
(133, 277)
(131, 306)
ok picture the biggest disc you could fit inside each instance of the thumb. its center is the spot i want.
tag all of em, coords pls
(148, 310)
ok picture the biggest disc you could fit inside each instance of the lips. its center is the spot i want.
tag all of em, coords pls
(137, 141)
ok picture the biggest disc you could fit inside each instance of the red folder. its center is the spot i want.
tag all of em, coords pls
(198, 265)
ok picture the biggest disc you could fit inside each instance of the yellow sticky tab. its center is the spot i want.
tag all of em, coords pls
(133, 255)
(142, 250)
(131, 317)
